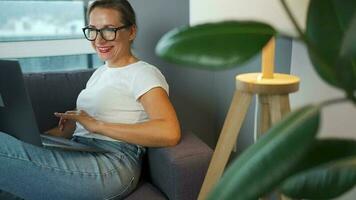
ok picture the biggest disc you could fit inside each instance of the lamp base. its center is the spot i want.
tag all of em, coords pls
(279, 84)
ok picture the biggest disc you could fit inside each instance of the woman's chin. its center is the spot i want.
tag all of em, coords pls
(104, 57)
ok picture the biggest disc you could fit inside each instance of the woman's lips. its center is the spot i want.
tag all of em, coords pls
(104, 49)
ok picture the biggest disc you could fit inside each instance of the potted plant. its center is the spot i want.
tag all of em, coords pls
(289, 158)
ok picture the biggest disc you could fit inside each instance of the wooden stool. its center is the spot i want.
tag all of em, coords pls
(273, 100)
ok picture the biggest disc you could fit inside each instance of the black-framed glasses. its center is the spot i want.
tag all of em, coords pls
(108, 34)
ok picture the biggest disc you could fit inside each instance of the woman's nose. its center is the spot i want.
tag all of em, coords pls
(99, 39)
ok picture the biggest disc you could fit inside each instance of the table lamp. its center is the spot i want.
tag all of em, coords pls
(272, 89)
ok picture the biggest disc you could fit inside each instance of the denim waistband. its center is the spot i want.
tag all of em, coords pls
(111, 146)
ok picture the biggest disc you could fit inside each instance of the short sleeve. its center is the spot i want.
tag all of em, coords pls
(146, 78)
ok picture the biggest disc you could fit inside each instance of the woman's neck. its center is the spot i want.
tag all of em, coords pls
(122, 62)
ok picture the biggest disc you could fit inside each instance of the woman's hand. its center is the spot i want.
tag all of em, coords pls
(65, 128)
(64, 124)
(80, 116)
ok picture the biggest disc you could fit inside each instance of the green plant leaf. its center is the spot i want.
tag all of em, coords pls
(322, 152)
(331, 36)
(326, 150)
(348, 47)
(214, 46)
(271, 159)
(348, 52)
(323, 182)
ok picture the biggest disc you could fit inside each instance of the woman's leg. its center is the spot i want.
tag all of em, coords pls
(32, 172)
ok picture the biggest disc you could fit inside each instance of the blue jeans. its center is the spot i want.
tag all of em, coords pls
(32, 172)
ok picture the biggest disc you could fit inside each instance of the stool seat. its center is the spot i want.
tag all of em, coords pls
(279, 84)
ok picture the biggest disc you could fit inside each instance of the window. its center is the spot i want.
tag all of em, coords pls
(45, 35)
(59, 63)
(41, 20)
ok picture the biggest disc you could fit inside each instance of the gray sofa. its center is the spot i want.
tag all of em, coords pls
(174, 173)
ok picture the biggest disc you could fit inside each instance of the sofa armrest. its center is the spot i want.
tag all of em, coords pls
(179, 171)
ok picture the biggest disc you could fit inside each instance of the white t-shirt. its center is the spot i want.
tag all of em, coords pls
(111, 95)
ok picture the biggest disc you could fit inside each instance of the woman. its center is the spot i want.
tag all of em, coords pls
(123, 108)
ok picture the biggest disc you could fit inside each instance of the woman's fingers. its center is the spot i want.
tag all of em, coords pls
(73, 112)
(79, 116)
(67, 115)
(64, 117)
(61, 123)
(71, 115)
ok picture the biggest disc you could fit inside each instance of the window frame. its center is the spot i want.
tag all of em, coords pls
(25, 49)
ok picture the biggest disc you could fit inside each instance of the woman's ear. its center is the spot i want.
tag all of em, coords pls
(133, 31)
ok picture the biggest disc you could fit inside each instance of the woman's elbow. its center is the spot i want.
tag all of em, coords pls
(174, 137)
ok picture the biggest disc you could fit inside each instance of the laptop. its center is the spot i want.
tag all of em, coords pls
(17, 117)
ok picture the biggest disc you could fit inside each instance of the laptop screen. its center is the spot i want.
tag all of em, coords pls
(16, 113)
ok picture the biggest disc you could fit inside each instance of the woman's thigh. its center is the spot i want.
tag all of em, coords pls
(33, 172)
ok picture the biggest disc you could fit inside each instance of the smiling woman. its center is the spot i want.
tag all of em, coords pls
(123, 109)
(115, 50)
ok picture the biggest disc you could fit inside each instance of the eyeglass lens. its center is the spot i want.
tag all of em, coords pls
(106, 34)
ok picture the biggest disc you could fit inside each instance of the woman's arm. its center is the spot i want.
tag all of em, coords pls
(162, 129)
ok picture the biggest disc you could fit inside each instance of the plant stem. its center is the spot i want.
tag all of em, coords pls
(334, 101)
(294, 21)
(313, 50)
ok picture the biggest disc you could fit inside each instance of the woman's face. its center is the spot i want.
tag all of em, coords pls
(120, 48)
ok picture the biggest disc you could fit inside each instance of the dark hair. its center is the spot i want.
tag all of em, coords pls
(122, 6)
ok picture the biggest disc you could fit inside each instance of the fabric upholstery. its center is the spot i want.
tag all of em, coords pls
(180, 171)
(146, 191)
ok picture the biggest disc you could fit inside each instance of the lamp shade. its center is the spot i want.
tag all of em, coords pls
(267, 11)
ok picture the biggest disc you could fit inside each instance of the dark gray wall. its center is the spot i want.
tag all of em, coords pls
(201, 98)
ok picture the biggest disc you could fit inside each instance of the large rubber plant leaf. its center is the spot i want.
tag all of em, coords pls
(271, 159)
(325, 150)
(331, 34)
(214, 46)
(323, 182)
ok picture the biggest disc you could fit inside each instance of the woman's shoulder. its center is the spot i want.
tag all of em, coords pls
(144, 67)
(147, 76)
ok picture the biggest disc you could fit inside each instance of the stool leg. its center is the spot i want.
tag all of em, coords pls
(285, 105)
(235, 116)
(262, 116)
(279, 106)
